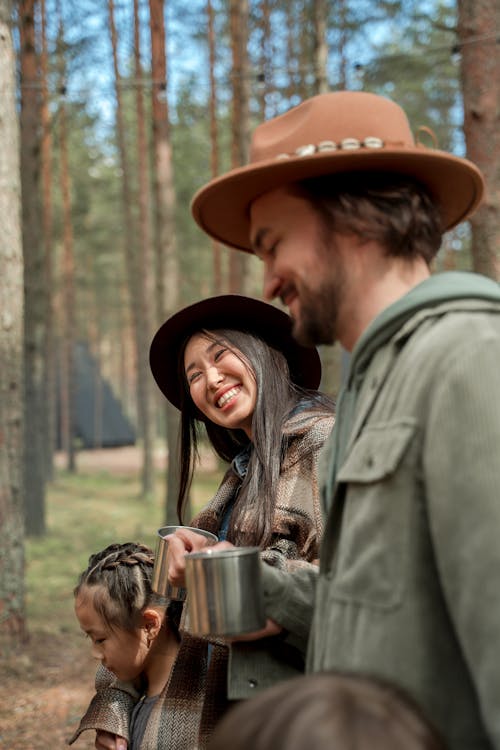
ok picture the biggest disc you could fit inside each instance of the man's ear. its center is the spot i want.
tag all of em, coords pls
(152, 621)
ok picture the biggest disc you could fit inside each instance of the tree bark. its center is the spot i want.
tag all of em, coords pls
(34, 286)
(145, 279)
(129, 234)
(238, 17)
(47, 234)
(478, 34)
(214, 138)
(12, 601)
(68, 404)
(320, 47)
(264, 75)
(167, 265)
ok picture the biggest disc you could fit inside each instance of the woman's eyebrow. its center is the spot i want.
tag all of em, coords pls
(209, 348)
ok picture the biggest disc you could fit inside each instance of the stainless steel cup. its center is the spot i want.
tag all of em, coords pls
(224, 592)
(160, 583)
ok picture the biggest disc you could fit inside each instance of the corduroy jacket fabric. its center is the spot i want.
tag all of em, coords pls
(191, 700)
(409, 577)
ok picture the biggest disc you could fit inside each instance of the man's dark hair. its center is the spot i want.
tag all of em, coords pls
(391, 209)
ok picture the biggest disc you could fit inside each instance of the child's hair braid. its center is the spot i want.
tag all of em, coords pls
(121, 575)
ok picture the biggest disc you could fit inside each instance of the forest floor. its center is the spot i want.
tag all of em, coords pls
(46, 684)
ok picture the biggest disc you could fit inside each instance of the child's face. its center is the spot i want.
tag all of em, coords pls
(121, 651)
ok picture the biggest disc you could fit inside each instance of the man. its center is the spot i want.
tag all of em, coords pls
(347, 213)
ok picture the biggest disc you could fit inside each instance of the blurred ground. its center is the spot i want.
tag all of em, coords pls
(43, 693)
(127, 459)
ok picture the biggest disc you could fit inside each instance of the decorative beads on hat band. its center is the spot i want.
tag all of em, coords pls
(346, 144)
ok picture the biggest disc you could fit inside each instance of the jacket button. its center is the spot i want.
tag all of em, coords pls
(252, 683)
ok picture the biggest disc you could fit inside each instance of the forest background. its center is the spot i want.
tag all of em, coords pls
(111, 116)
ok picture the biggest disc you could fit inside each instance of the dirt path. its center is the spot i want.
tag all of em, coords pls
(43, 692)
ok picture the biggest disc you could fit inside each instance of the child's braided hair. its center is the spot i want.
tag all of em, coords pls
(121, 577)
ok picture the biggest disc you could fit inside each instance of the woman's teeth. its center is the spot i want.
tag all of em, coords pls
(227, 396)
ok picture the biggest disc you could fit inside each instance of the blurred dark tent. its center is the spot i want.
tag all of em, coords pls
(99, 416)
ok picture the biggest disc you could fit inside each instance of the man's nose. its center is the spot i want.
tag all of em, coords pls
(272, 283)
(96, 652)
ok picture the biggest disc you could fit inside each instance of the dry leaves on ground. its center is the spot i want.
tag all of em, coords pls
(44, 691)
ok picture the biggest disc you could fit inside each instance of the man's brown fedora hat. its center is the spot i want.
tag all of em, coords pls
(343, 131)
(230, 311)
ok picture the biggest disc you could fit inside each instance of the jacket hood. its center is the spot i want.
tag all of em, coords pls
(430, 294)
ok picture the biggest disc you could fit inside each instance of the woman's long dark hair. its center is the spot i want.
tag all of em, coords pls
(276, 397)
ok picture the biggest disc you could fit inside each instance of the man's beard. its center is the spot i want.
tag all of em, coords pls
(318, 314)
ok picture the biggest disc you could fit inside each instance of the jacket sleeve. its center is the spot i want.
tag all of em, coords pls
(291, 569)
(462, 469)
(298, 520)
(289, 600)
(110, 708)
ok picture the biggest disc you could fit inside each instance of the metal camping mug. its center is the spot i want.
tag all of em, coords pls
(160, 583)
(225, 592)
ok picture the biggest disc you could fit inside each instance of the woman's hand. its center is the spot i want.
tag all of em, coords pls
(270, 628)
(108, 741)
(179, 544)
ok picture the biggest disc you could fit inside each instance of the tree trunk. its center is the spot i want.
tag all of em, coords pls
(145, 279)
(214, 139)
(264, 77)
(34, 287)
(167, 265)
(127, 200)
(46, 169)
(478, 32)
(320, 47)
(239, 17)
(12, 604)
(68, 276)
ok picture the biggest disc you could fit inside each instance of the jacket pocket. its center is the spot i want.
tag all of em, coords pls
(380, 478)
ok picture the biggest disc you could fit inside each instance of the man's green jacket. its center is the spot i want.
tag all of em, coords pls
(409, 582)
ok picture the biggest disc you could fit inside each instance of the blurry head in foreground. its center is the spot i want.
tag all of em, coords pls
(328, 711)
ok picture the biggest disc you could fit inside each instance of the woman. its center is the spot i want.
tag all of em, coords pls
(240, 372)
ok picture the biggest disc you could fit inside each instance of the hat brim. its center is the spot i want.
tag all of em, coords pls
(229, 311)
(221, 207)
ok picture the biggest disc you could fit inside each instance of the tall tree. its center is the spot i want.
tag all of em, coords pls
(320, 46)
(145, 268)
(129, 234)
(238, 20)
(167, 266)
(264, 68)
(12, 606)
(68, 401)
(214, 136)
(478, 39)
(47, 234)
(34, 287)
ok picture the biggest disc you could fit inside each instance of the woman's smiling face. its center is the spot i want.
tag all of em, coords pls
(221, 384)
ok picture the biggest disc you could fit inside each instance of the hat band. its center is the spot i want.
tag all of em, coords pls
(346, 144)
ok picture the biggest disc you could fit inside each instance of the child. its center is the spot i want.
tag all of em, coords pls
(133, 634)
(328, 711)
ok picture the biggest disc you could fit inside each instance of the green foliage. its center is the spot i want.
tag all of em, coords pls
(413, 64)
